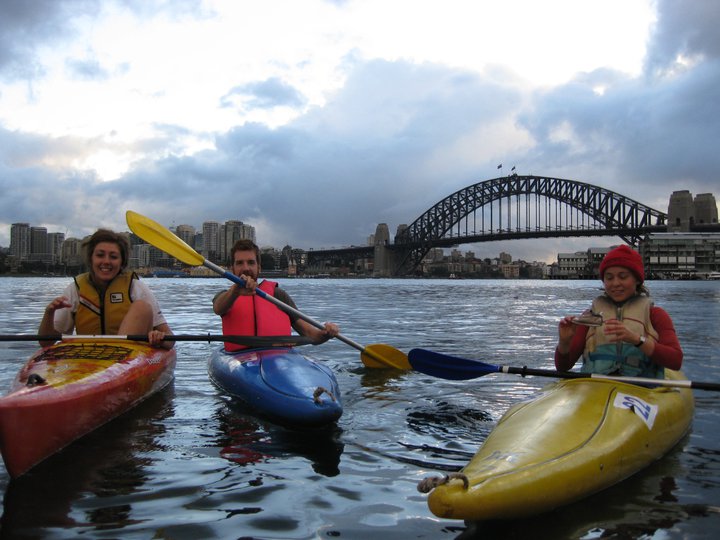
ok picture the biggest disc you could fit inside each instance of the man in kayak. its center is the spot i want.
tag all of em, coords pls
(245, 313)
(108, 299)
(629, 335)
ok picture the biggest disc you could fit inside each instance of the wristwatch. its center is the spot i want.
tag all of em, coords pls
(641, 342)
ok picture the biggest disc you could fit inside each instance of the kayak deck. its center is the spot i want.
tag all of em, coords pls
(71, 388)
(576, 438)
(279, 383)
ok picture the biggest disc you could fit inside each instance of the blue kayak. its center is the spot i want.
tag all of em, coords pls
(279, 383)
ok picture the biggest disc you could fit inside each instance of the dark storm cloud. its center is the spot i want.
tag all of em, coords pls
(685, 27)
(644, 136)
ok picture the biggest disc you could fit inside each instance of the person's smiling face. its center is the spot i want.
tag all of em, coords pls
(106, 262)
(619, 283)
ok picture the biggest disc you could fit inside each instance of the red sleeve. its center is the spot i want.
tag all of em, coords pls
(667, 351)
(564, 362)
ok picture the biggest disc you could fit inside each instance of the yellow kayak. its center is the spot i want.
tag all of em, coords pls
(578, 437)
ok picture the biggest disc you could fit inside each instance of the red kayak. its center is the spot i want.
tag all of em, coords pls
(71, 388)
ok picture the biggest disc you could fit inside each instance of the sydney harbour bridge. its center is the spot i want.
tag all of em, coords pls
(506, 208)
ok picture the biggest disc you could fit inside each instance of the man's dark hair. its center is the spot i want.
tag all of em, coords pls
(244, 245)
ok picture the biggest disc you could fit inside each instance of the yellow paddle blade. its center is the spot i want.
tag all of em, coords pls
(380, 355)
(160, 237)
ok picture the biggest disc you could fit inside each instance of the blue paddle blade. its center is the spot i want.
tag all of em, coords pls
(448, 367)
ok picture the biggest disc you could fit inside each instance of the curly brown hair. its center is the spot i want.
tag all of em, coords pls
(106, 235)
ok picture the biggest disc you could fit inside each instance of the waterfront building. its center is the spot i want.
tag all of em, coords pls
(571, 265)
(510, 270)
(681, 254)
(581, 264)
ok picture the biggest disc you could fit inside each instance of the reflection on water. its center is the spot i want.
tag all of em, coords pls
(245, 440)
(109, 463)
(193, 464)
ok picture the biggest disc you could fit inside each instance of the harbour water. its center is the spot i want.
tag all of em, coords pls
(190, 464)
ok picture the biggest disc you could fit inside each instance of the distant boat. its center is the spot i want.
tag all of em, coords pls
(714, 275)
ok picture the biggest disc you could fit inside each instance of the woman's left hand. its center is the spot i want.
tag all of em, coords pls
(616, 331)
(156, 338)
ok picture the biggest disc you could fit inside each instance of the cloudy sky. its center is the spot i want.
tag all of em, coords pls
(315, 120)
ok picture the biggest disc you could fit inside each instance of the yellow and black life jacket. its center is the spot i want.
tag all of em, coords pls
(97, 313)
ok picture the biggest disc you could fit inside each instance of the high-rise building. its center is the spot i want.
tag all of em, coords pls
(231, 232)
(211, 240)
(55, 241)
(71, 252)
(20, 241)
(186, 233)
(39, 250)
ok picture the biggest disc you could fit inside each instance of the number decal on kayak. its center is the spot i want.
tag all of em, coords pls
(644, 410)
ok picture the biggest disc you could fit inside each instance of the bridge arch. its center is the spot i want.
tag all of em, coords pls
(535, 206)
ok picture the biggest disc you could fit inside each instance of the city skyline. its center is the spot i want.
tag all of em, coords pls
(55, 240)
(215, 239)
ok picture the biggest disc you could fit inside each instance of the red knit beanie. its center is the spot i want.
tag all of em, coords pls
(625, 257)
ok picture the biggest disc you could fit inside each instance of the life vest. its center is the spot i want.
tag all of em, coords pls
(251, 315)
(102, 314)
(603, 356)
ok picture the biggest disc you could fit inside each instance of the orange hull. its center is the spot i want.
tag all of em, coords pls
(70, 389)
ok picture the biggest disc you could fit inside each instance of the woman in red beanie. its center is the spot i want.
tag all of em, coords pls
(628, 335)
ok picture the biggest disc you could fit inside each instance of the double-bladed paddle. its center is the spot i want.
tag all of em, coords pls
(374, 356)
(249, 341)
(455, 368)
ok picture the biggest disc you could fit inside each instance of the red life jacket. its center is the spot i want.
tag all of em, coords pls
(254, 316)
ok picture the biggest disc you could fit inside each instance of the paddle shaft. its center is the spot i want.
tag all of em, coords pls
(457, 368)
(631, 380)
(256, 341)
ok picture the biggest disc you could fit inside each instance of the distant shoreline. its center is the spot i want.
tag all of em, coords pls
(457, 278)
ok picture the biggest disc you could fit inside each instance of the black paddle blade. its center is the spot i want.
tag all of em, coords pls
(448, 367)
